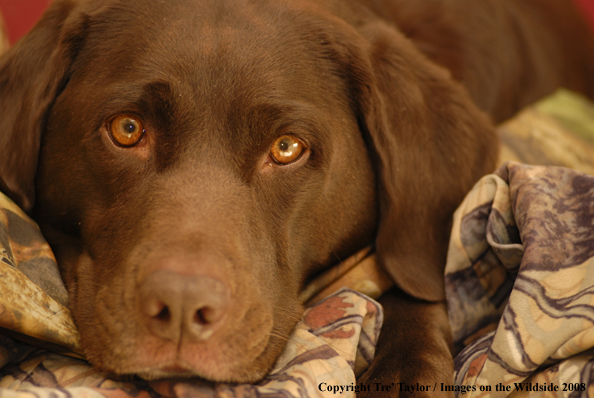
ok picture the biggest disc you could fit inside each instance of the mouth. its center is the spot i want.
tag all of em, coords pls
(174, 370)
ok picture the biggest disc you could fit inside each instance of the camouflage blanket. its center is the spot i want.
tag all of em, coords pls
(518, 280)
(520, 270)
(520, 284)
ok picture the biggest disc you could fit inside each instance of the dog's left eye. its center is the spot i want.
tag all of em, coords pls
(286, 149)
(126, 130)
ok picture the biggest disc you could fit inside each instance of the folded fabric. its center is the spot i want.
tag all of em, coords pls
(32, 296)
(519, 272)
(520, 284)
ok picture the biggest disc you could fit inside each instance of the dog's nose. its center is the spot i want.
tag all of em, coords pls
(177, 306)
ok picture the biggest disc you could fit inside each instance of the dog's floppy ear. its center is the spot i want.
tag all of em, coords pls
(430, 145)
(31, 75)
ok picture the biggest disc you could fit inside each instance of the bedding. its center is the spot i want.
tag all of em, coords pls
(520, 284)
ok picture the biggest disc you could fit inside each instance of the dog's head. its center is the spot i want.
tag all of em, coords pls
(192, 163)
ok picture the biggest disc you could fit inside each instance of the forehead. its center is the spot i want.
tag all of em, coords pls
(212, 48)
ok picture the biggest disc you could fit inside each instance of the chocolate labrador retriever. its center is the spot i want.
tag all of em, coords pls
(194, 162)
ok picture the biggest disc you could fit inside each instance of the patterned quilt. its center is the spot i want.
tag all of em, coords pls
(520, 270)
(519, 280)
(520, 284)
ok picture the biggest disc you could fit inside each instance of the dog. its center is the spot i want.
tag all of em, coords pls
(193, 163)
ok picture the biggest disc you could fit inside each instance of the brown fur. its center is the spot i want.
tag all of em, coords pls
(393, 144)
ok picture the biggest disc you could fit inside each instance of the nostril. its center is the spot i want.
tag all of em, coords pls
(206, 316)
(200, 317)
(164, 315)
(154, 307)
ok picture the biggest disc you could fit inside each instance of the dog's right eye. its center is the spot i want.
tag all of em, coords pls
(126, 130)
(286, 149)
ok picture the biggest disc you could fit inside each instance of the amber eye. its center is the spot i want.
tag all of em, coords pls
(126, 130)
(286, 149)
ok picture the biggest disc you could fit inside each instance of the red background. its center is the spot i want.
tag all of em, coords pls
(588, 7)
(21, 15)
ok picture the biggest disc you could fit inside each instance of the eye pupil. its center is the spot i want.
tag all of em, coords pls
(129, 127)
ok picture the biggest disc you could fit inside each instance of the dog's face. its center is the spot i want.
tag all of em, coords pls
(200, 160)
(200, 163)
